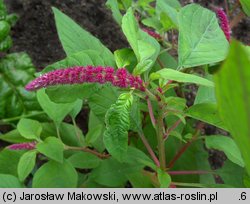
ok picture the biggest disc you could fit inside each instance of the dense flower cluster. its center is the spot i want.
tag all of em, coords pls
(152, 33)
(23, 146)
(224, 22)
(89, 74)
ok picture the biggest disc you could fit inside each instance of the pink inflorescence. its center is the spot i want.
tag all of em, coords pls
(224, 23)
(89, 74)
(152, 33)
(23, 146)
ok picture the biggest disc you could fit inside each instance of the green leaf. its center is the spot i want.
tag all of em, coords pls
(142, 67)
(26, 164)
(206, 112)
(16, 70)
(67, 133)
(75, 39)
(29, 129)
(76, 110)
(3, 10)
(170, 9)
(201, 41)
(144, 46)
(227, 145)
(139, 180)
(113, 5)
(84, 160)
(13, 136)
(94, 133)
(136, 156)
(9, 181)
(55, 175)
(9, 160)
(4, 29)
(164, 178)
(6, 44)
(231, 174)
(152, 22)
(170, 74)
(205, 94)
(246, 6)
(117, 126)
(49, 107)
(101, 101)
(233, 96)
(51, 147)
(112, 173)
(135, 116)
(125, 58)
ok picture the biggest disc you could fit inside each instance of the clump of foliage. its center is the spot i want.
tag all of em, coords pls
(141, 132)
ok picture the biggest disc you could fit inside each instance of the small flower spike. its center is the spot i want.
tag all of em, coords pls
(152, 33)
(224, 23)
(23, 146)
(89, 74)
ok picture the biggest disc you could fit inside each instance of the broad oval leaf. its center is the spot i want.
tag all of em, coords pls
(56, 111)
(206, 112)
(227, 145)
(164, 178)
(201, 41)
(9, 181)
(144, 46)
(51, 147)
(112, 173)
(26, 164)
(29, 129)
(75, 39)
(55, 175)
(84, 160)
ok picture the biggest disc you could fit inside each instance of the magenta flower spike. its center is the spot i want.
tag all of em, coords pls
(23, 146)
(224, 23)
(89, 74)
(152, 33)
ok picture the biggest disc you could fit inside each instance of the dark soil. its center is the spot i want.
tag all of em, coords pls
(35, 33)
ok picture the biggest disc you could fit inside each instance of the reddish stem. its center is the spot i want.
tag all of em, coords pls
(184, 148)
(150, 150)
(151, 114)
(175, 125)
(179, 153)
(189, 172)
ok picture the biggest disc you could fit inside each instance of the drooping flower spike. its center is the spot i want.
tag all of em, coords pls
(23, 146)
(89, 74)
(224, 23)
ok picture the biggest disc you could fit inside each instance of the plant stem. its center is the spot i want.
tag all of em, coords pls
(58, 132)
(237, 19)
(160, 62)
(179, 153)
(175, 125)
(151, 114)
(189, 172)
(7, 120)
(86, 149)
(184, 148)
(150, 150)
(161, 143)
